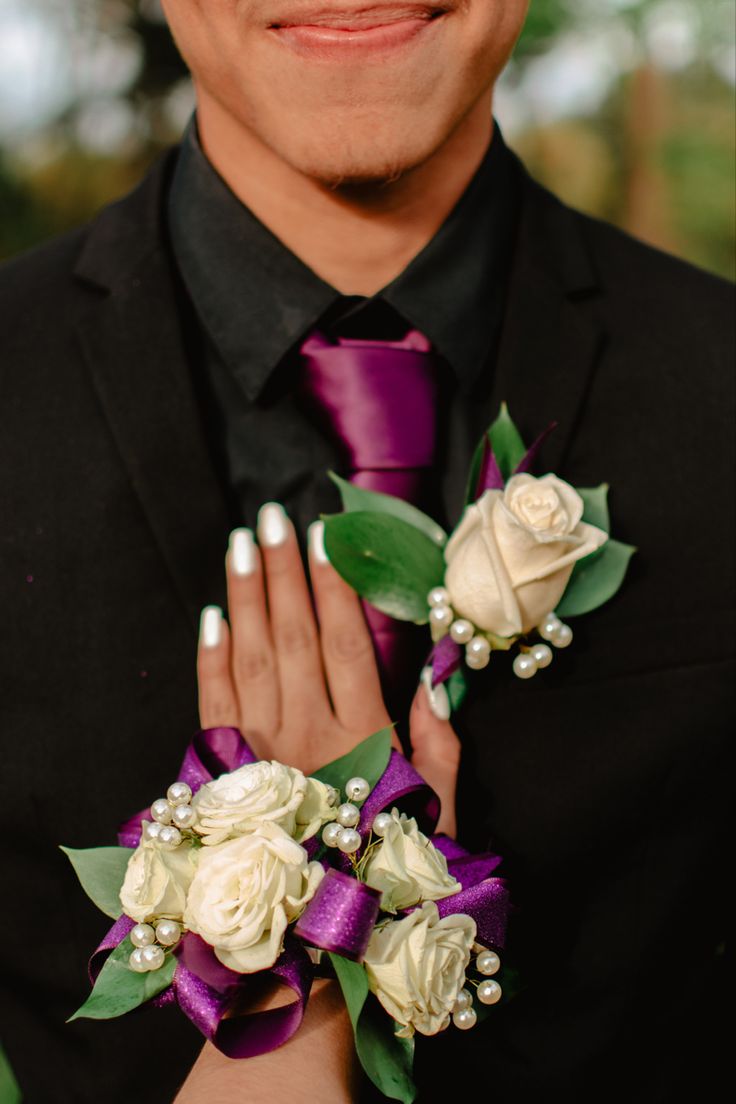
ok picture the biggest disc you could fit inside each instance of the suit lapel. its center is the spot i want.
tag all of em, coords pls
(551, 339)
(132, 342)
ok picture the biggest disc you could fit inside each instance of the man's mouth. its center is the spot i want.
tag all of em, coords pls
(337, 30)
(364, 18)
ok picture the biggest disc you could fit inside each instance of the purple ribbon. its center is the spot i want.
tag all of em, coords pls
(444, 659)
(341, 916)
(401, 783)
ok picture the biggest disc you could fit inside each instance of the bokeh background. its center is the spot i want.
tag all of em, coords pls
(625, 108)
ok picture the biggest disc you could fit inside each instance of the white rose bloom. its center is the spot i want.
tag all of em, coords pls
(407, 868)
(511, 556)
(156, 882)
(416, 967)
(246, 891)
(244, 799)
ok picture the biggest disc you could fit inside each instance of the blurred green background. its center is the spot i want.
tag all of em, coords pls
(625, 108)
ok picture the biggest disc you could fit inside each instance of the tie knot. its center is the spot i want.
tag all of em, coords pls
(378, 399)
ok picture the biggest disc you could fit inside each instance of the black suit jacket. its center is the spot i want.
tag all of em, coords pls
(602, 781)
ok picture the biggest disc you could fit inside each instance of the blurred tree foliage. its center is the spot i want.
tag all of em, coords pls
(655, 155)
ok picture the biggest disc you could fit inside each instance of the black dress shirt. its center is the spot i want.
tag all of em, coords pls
(254, 301)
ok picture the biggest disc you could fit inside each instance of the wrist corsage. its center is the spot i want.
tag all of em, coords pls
(527, 554)
(250, 867)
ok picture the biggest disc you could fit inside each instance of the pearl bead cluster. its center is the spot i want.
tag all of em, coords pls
(442, 621)
(488, 991)
(172, 815)
(149, 943)
(342, 832)
(527, 663)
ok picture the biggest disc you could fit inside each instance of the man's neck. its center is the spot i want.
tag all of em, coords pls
(356, 238)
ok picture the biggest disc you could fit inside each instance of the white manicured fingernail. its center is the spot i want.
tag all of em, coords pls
(437, 696)
(273, 525)
(317, 542)
(242, 552)
(210, 626)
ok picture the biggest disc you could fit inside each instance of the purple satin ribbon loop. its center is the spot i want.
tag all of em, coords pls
(341, 916)
(398, 783)
(487, 903)
(444, 659)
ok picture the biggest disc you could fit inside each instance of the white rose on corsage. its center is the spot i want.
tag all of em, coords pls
(416, 967)
(156, 882)
(261, 792)
(511, 557)
(246, 891)
(407, 868)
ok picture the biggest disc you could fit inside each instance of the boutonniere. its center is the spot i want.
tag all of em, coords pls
(527, 554)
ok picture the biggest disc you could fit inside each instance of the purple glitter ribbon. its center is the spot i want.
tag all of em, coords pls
(341, 916)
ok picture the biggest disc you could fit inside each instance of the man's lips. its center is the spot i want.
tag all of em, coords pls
(365, 17)
(335, 33)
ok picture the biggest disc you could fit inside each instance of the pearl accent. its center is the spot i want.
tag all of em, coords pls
(525, 665)
(548, 626)
(142, 935)
(349, 841)
(179, 793)
(441, 617)
(542, 654)
(562, 636)
(438, 596)
(153, 957)
(488, 963)
(465, 1019)
(464, 1000)
(169, 837)
(184, 816)
(161, 811)
(382, 823)
(136, 962)
(331, 833)
(168, 932)
(348, 815)
(461, 631)
(357, 789)
(152, 831)
(489, 992)
(478, 653)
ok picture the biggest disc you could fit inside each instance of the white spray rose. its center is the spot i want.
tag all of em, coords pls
(242, 800)
(156, 882)
(416, 967)
(511, 556)
(407, 868)
(246, 891)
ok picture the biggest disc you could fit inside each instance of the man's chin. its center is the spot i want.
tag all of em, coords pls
(355, 165)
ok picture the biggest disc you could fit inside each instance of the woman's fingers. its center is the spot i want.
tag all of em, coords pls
(347, 648)
(252, 660)
(218, 703)
(293, 627)
(436, 755)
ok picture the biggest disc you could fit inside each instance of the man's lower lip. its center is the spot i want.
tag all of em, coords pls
(338, 43)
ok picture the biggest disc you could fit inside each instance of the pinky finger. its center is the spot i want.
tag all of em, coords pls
(218, 703)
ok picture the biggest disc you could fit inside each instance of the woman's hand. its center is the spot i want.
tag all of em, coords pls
(300, 692)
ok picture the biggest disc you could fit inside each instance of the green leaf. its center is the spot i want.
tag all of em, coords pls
(595, 579)
(387, 1060)
(357, 498)
(387, 561)
(119, 989)
(368, 760)
(457, 688)
(101, 872)
(9, 1088)
(595, 506)
(508, 447)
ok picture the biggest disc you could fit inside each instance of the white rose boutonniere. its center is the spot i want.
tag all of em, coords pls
(511, 556)
(407, 868)
(156, 882)
(416, 967)
(258, 793)
(246, 891)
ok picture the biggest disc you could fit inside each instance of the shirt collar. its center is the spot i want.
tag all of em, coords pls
(257, 300)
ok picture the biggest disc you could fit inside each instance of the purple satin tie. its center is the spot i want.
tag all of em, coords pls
(378, 399)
